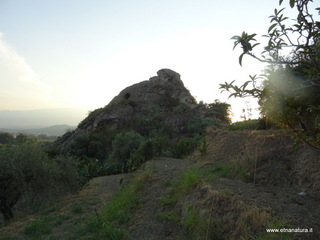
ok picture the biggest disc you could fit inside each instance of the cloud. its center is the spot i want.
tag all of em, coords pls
(20, 85)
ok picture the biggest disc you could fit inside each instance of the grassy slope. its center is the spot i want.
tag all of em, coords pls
(246, 182)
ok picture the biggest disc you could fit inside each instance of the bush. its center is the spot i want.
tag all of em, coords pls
(90, 167)
(256, 124)
(23, 169)
(244, 125)
(6, 138)
(182, 108)
(123, 147)
(198, 125)
(184, 147)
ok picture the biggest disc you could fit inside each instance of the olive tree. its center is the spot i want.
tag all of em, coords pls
(26, 172)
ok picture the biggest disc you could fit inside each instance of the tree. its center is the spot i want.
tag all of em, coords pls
(290, 91)
(24, 167)
(6, 138)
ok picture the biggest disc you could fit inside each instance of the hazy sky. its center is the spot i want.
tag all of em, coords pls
(67, 53)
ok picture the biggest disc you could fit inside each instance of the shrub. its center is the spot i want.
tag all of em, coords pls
(141, 155)
(244, 125)
(123, 147)
(256, 124)
(184, 147)
(37, 229)
(182, 108)
(198, 125)
(6, 138)
(23, 169)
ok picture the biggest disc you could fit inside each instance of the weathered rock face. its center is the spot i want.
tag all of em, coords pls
(167, 84)
(163, 97)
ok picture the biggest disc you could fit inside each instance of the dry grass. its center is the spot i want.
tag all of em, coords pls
(222, 216)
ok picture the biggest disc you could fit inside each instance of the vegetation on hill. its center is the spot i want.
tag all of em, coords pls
(31, 178)
(25, 161)
(205, 183)
(110, 151)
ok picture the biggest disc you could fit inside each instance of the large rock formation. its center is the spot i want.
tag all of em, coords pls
(161, 101)
(157, 90)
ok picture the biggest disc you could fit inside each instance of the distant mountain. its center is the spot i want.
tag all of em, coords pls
(56, 130)
(42, 118)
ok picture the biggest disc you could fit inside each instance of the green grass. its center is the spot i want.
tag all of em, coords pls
(168, 216)
(194, 223)
(187, 181)
(244, 170)
(276, 223)
(8, 237)
(199, 226)
(77, 208)
(223, 170)
(37, 229)
(108, 222)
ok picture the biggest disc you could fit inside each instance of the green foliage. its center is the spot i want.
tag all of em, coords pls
(6, 138)
(256, 124)
(117, 212)
(91, 151)
(23, 138)
(130, 150)
(124, 146)
(77, 208)
(168, 216)
(184, 147)
(245, 41)
(222, 110)
(146, 151)
(198, 125)
(37, 229)
(290, 90)
(23, 169)
(187, 181)
(79, 146)
(216, 111)
(194, 223)
(182, 108)
(204, 145)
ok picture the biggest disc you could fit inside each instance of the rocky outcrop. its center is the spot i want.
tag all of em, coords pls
(162, 100)
(167, 84)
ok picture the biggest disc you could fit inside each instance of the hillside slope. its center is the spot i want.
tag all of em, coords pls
(246, 182)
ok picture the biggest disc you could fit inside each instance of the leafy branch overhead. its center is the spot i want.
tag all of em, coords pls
(245, 41)
(242, 91)
(289, 92)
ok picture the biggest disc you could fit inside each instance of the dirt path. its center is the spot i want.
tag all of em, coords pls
(85, 203)
(145, 225)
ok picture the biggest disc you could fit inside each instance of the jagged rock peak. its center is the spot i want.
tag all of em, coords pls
(166, 83)
(166, 75)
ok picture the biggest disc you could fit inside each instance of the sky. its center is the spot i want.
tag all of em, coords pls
(81, 53)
